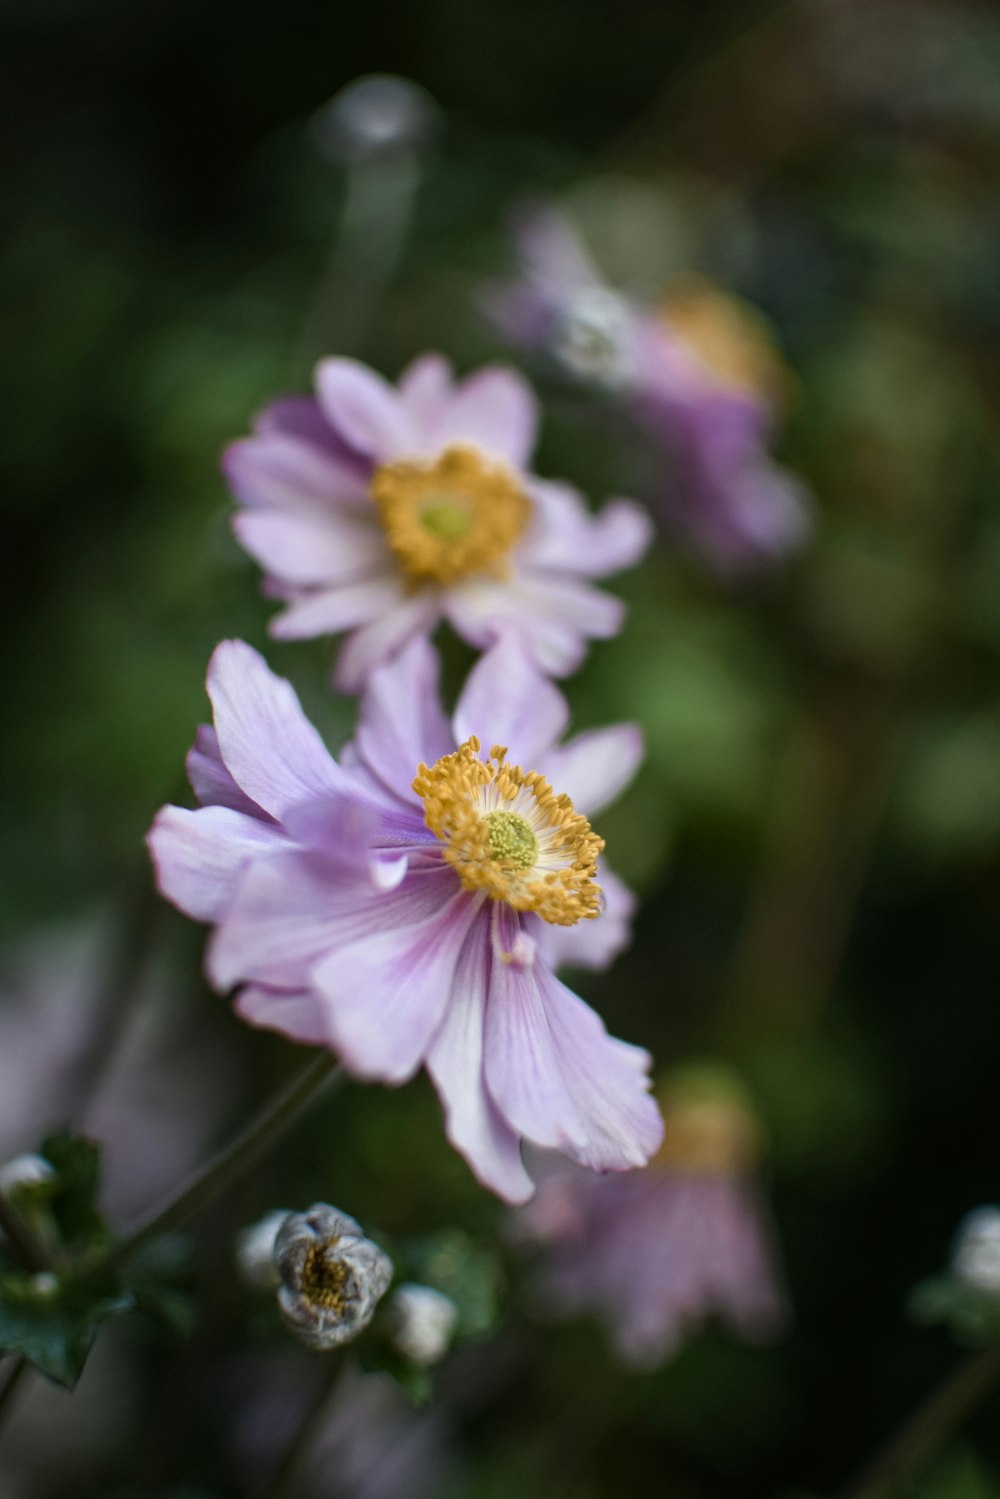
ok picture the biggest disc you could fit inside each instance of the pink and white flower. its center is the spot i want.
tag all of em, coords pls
(654, 1253)
(379, 511)
(406, 906)
(696, 370)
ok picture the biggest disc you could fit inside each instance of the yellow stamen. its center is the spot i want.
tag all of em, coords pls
(728, 336)
(507, 832)
(323, 1280)
(709, 1127)
(456, 517)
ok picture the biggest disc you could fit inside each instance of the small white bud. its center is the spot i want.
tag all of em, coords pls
(332, 1277)
(593, 336)
(44, 1284)
(255, 1251)
(421, 1323)
(377, 115)
(23, 1174)
(975, 1256)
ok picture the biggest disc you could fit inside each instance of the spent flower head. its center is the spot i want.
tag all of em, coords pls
(332, 1277)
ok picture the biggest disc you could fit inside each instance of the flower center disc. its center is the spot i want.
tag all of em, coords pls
(323, 1283)
(451, 519)
(506, 832)
(726, 335)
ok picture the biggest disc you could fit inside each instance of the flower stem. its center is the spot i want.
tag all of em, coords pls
(946, 1409)
(11, 1384)
(218, 1174)
(284, 1481)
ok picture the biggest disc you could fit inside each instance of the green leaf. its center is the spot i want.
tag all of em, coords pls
(73, 1203)
(53, 1322)
(467, 1274)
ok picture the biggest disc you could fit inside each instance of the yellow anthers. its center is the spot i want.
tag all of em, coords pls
(323, 1279)
(506, 832)
(728, 336)
(451, 519)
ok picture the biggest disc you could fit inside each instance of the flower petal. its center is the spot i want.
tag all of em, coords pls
(401, 722)
(295, 1013)
(553, 614)
(568, 538)
(424, 387)
(497, 410)
(379, 640)
(305, 548)
(276, 469)
(506, 700)
(473, 1123)
(364, 409)
(593, 768)
(201, 855)
(269, 746)
(210, 780)
(330, 610)
(385, 995)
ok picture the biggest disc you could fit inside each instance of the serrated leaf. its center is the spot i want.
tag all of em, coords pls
(53, 1323)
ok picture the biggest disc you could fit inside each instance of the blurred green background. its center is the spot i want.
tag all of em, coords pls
(816, 834)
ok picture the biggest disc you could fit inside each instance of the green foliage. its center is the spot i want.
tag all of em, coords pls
(972, 1315)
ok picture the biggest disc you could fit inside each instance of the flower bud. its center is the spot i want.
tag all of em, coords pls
(975, 1256)
(377, 115)
(255, 1251)
(24, 1174)
(332, 1277)
(421, 1323)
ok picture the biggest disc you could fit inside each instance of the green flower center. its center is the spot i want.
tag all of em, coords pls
(446, 518)
(510, 840)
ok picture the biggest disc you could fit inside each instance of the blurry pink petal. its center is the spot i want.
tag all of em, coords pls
(507, 701)
(568, 538)
(210, 780)
(496, 410)
(425, 388)
(554, 615)
(328, 610)
(295, 1013)
(376, 641)
(364, 409)
(305, 548)
(594, 768)
(281, 471)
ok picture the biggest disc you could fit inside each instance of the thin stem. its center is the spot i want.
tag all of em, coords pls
(218, 1174)
(912, 1447)
(10, 1386)
(284, 1482)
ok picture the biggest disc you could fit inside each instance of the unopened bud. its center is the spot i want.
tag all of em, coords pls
(332, 1277)
(24, 1174)
(377, 115)
(593, 337)
(255, 1251)
(421, 1323)
(975, 1257)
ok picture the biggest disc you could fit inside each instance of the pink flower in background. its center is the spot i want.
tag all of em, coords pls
(406, 906)
(653, 1253)
(379, 511)
(697, 370)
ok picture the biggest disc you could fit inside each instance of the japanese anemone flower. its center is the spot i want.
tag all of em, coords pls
(654, 1253)
(381, 510)
(407, 906)
(698, 371)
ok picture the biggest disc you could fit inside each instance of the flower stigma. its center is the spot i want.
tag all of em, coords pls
(506, 832)
(456, 517)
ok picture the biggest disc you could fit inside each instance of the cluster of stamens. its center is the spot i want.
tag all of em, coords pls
(323, 1279)
(508, 833)
(451, 519)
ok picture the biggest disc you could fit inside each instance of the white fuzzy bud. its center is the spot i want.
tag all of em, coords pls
(375, 116)
(593, 336)
(23, 1174)
(332, 1277)
(255, 1251)
(421, 1323)
(975, 1256)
